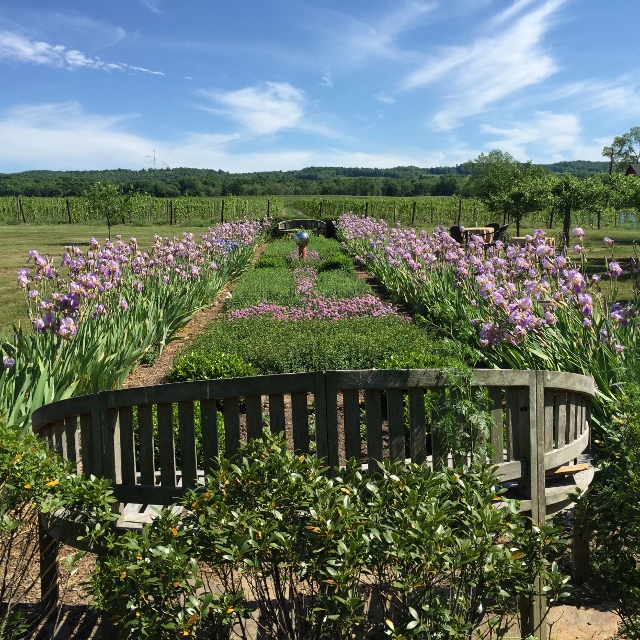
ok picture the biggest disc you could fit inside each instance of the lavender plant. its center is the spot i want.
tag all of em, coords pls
(96, 313)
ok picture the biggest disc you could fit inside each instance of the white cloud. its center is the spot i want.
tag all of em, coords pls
(491, 68)
(64, 136)
(356, 41)
(327, 79)
(152, 5)
(383, 97)
(263, 109)
(549, 137)
(18, 48)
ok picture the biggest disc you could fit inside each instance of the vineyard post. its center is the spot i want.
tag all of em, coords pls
(21, 210)
(170, 212)
(68, 210)
(366, 209)
(268, 208)
(413, 213)
(320, 214)
(222, 213)
(431, 205)
(394, 212)
(459, 210)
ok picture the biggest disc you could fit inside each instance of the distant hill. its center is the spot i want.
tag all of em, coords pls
(396, 181)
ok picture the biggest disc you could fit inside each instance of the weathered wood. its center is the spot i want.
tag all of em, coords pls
(395, 418)
(496, 437)
(70, 442)
(110, 441)
(351, 411)
(438, 436)
(253, 407)
(209, 425)
(276, 413)
(49, 590)
(549, 406)
(560, 419)
(58, 437)
(188, 455)
(320, 407)
(567, 452)
(417, 426)
(62, 409)
(570, 382)
(328, 441)
(86, 437)
(166, 445)
(231, 414)
(373, 418)
(127, 446)
(146, 444)
(300, 422)
(567, 469)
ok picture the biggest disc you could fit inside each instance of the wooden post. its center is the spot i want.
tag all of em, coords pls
(320, 215)
(394, 212)
(49, 589)
(268, 208)
(68, 210)
(222, 212)
(533, 610)
(413, 213)
(170, 212)
(366, 209)
(459, 210)
(21, 210)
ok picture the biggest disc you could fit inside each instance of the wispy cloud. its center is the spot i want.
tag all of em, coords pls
(548, 137)
(327, 78)
(383, 97)
(491, 68)
(263, 109)
(379, 39)
(18, 48)
(64, 136)
(152, 5)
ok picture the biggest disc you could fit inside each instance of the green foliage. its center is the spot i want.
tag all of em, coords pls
(33, 480)
(211, 365)
(275, 284)
(271, 346)
(316, 556)
(271, 262)
(339, 261)
(610, 513)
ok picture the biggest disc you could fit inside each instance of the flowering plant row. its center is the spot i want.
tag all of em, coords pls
(95, 314)
(313, 305)
(526, 307)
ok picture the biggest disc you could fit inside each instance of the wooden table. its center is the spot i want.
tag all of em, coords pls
(521, 241)
(485, 232)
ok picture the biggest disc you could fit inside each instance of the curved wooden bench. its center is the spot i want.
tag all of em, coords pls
(310, 224)
(539, 422)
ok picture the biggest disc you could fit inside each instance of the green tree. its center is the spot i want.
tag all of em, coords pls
(510, 189)
(105, 201)
(624, 150)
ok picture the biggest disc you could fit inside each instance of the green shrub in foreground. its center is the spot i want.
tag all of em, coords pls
(313, 552)
(34, 479)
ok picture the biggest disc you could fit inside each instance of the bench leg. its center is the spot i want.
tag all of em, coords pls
(49, 589)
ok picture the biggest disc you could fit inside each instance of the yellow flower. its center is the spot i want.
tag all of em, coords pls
(52, 483)
(27, 486)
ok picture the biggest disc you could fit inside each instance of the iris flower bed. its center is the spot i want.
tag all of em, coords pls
(525, 307)
(96, 313)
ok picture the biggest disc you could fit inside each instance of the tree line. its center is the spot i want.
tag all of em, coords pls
(172, 183)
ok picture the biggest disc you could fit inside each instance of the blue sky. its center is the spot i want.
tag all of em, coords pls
(250, 85)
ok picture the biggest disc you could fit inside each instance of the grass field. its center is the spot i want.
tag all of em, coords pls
(16, 240)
